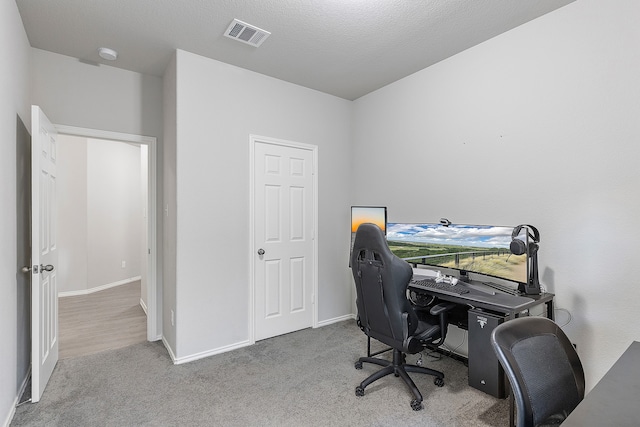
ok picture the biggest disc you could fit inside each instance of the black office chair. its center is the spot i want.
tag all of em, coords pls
(544, 370)
(385, 313)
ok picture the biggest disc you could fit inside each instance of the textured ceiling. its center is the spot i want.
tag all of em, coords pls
(346, 48)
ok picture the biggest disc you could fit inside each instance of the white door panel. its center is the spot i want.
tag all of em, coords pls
(44, 254)
(283, 229)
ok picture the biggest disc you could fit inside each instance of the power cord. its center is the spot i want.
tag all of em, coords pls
(568, 315)
(435, 355)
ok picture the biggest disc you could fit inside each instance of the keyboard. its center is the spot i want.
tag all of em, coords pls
(431, 283)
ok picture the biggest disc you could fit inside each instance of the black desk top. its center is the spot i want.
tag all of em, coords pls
(482, 296)
(614, 400)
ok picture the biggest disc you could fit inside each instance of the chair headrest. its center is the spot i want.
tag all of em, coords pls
(370, 237)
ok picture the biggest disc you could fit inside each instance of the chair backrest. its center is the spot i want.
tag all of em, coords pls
(381, 280)
(544, 370)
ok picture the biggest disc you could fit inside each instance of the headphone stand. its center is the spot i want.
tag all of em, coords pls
(533, 283)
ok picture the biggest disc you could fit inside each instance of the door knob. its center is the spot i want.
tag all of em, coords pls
(260, 251)
(47, 267)
(26, 269)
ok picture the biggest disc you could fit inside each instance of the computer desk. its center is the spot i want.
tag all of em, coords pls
(614, 400)
(486, 374)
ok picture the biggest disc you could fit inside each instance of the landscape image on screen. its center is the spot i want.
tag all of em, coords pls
(482, 249)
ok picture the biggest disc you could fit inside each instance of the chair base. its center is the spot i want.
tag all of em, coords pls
(399, 368)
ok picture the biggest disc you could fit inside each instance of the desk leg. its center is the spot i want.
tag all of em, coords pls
(550, 311)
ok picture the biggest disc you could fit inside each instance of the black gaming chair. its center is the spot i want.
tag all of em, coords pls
(544, 370)
(385, 313)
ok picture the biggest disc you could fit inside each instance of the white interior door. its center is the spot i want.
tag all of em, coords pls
(284, 210)
(44, 256)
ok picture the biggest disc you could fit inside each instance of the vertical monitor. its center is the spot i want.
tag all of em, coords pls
(367, 214)
(481, 249)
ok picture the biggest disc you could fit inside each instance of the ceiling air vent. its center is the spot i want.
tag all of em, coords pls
(246, 33)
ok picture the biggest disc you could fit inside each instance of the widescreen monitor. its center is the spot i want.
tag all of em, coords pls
(481, 249)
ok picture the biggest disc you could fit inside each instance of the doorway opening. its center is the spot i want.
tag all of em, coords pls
(121, 243)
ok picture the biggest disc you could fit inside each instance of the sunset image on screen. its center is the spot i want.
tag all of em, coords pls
(365, 214)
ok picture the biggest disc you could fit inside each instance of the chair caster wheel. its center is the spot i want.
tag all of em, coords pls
(359, 391)
(438, 382)
(358, 365)
(416, 404)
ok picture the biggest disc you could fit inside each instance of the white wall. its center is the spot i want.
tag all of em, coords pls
(72, 214)
(169, 201)
(218, 107)
(79, 94)
(113, 212)
(100, 213)
(15, 125)
(538, 125)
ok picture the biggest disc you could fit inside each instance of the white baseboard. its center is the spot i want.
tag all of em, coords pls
(98, 288)
(12, 412)
(219, 350)
(202, 355)
(144, 307)
(336, 320)
(169, 350)
(23, 387)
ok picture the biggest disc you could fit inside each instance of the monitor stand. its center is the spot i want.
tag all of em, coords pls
(464, 276)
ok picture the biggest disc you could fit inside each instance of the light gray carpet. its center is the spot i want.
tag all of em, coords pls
(306, 378)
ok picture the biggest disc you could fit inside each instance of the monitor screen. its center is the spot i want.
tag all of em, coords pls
(373, 214)
(482, 249)
(366, 214)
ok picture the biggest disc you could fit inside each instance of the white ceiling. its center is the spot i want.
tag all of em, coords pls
(346, 48)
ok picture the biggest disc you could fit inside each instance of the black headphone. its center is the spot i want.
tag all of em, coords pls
(518, 247)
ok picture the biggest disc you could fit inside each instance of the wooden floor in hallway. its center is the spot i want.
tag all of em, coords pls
(108, 319)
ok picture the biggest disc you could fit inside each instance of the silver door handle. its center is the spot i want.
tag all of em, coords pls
(47, 267)
(26, 269)
(260, 251)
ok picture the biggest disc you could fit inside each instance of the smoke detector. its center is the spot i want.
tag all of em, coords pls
(246, 33)
(108, 54)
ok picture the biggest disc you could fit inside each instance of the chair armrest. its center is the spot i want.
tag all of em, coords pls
(441, 310)
(442, 307)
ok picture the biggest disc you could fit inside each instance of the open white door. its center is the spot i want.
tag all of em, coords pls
(44, 256)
